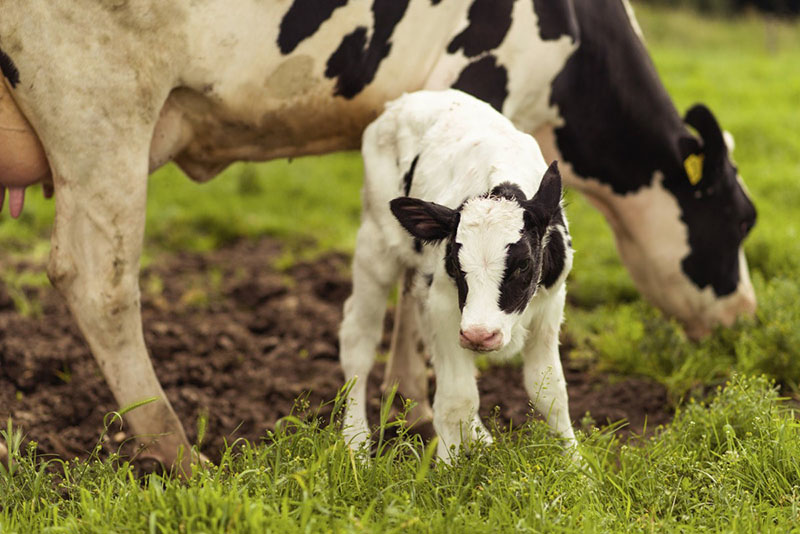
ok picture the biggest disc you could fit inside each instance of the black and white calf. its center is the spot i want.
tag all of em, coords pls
(455, 193)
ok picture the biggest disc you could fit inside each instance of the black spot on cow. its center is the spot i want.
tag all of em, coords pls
(556, 18)
(409, 176)
(303, 19)
(355, 62)
(486, 80)
(417, 245)
(620, 128)
(435, 2)
(489, 21)
(9, 69)
(618, 118)
(509, 191)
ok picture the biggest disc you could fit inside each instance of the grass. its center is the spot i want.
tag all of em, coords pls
(726, 465)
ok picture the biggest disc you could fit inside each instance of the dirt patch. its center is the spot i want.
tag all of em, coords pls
(234, 338)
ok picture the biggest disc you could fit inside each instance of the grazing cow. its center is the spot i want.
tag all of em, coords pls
(96, 94)
(482, 227)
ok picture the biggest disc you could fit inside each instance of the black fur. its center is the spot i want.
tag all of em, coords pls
(9, 69)
(556, 18)
(355, 62)
(452, 266)
(509, 191)
(486, 80)
(302, 20)
(489, 21)
(427, 221)
(625, 128)
(409, 176)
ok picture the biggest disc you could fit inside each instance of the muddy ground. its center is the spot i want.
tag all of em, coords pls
(232, 337)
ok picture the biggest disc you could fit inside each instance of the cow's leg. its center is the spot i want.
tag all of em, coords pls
(543, 375)
(456, 401)
(407, 368)
(94, 263)
(375, 271)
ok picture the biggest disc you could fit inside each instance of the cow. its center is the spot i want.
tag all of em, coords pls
(97, 94)
(456, 194)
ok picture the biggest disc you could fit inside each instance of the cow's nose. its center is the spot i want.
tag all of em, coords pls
(480, 338)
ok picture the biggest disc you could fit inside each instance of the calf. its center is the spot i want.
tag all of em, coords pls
(455, 193)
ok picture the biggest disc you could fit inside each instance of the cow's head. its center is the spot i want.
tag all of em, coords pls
(501, 249)
(696, 269)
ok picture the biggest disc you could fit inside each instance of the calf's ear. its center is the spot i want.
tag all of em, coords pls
(427, 221)
(547, 200)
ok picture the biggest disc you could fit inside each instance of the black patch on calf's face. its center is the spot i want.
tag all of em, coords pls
(302, 20)
(9, 69)
(556, 18)
(489, 21)
(620, 127)
(409, 176)
(486, 80)
(523, 264)
(355, 62)
(452, 265)
(509, 191)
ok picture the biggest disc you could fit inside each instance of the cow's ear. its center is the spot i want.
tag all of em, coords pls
(427, 221)
(547, 200)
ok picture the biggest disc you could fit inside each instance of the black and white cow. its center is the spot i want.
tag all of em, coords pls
(96, 94)
(482, 227)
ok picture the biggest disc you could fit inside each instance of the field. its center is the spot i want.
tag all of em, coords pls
(242, 289)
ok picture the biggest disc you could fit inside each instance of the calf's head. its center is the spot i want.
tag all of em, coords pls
(501, 249)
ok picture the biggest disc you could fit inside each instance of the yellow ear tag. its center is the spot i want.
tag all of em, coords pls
(694, 167)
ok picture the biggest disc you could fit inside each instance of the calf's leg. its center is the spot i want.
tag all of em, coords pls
(375, 271)
(456, 402)
(543, 375)
(407, 368)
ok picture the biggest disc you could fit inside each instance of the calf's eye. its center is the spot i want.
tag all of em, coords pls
(524, 266)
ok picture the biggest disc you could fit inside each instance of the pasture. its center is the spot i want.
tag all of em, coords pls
(243, 321)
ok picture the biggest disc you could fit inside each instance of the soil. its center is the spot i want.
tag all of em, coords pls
(236, 339)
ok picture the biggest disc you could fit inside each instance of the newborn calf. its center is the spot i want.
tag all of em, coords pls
(453, 191)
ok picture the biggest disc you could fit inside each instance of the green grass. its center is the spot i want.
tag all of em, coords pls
(729, 465)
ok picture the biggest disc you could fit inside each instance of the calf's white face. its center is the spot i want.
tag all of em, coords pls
(500, 248)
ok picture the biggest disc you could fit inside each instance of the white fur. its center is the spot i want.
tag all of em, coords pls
(466, 148)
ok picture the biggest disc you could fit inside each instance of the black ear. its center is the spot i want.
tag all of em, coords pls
(701, 119)
(688, 145)
(427, 221)
(547, 200)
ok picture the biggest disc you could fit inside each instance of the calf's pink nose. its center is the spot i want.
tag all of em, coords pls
(480, 338)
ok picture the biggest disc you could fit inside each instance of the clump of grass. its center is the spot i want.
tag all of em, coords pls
(636, 339)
